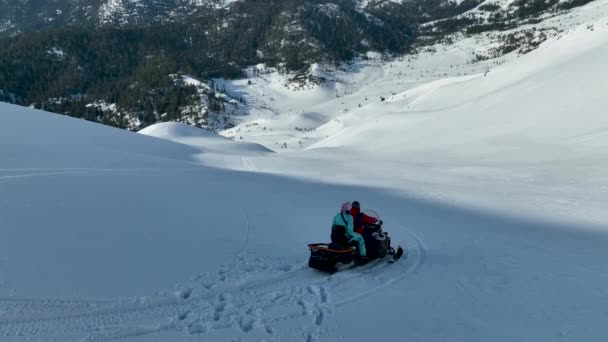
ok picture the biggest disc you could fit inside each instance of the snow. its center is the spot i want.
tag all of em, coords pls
(123, 11)
(202, 139)
(113, 9)
(57, 52)
(194, 82)
(458, 128)
(493, 184)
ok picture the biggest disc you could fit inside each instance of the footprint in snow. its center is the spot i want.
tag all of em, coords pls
(323, 294)
(250, 320)
(319, 317)
(222, 274)
(185, 294)
(310, 336)
(268, 330)
(197, 327)
(246, 324)
(219, 309)
(182, 316)
(318, 291)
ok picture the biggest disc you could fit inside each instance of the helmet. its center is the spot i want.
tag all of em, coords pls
(356, 204)
(345, 207)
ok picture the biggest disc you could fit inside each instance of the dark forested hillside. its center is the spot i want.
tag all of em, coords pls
(134, 67)
(124, 66)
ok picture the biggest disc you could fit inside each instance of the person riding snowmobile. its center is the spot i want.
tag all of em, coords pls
(359, 218)
(344, 219)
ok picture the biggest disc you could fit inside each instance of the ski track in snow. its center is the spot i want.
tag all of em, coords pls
(246, 295)
(247, 233)
(248, 164)
(40, 174)
(64, 171)
(414, 254)
(69, 170)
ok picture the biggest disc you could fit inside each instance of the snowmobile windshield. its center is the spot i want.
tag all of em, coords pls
(372, 213)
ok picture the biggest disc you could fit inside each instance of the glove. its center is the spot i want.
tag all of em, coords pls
(380, 222)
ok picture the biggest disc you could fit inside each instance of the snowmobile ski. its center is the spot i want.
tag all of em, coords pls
(398, 254)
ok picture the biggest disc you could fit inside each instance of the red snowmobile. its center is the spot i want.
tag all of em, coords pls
(326, 256)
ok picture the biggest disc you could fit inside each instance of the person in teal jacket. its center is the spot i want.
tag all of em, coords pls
(343, 218)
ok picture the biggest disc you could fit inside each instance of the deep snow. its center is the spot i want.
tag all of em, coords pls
(494, 185)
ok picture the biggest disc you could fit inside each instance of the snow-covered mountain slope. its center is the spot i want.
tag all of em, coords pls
(205, 140)
(70, 41)
(459, 132)
(111, 235)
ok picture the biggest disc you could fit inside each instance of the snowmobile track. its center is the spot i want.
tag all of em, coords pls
(414, 254)
(232, 299)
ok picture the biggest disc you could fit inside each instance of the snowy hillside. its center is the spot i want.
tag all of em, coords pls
(526, 122)
(491, 175)
(205, 140)
(110, 235)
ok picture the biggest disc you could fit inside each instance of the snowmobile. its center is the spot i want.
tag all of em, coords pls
(327, 256)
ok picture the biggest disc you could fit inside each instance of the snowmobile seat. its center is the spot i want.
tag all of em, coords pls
(324, 258)
(338, 236)
(335, 246)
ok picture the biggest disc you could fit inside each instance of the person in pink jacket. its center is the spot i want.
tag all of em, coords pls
(344, 219)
